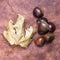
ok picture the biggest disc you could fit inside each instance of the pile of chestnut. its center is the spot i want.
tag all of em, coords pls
(45, 28)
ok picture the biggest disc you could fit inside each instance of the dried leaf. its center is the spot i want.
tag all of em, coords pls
(16, 35)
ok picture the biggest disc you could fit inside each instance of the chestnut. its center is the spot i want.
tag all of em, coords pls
(52, 27)
(37, 12)
(43, 27)
(42, 18)
(48, 37)
(39, 42)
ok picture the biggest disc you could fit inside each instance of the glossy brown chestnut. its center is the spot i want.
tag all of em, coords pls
(42, 18)
(39, 42)
(37, 12)
(48, 37)
(52, 27)
(43, 27)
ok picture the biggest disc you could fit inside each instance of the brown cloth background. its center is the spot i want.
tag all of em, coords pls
(9, 10)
